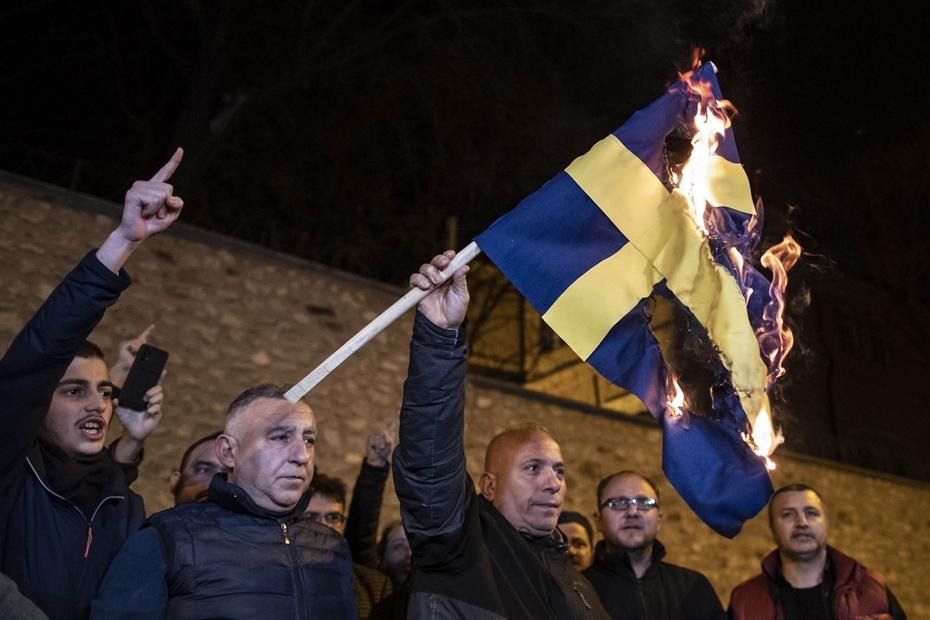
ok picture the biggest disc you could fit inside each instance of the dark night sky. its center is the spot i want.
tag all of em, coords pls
(818, 88)
(429, 121)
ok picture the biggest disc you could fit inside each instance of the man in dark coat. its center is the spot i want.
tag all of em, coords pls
(66, 508)
(491, 555)
(629, 571)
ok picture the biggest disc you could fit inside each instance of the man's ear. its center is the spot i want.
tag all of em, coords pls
(487, 485)
(173, 482)
(225, 448)
(597, 520)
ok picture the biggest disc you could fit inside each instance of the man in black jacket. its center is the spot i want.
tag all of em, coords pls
(628, 572)
(66, 508)
(248, 551)
(494, 555)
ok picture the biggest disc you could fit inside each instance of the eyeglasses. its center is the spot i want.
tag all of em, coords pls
(330, 518)
(642, 504)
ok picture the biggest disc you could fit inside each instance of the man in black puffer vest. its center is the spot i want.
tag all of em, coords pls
(246, 552)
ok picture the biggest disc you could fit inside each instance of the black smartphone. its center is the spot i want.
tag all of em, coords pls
(143, 375)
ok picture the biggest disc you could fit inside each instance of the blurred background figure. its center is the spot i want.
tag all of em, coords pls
(580, 537)
(190, 481)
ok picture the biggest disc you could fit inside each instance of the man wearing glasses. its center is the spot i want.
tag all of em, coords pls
(628, 572)
(328, 506)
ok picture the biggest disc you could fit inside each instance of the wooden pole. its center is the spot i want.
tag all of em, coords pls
(374, 328)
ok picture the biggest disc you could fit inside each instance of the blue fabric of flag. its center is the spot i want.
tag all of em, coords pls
(558, 234)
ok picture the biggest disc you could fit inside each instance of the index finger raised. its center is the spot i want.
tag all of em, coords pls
(168, 169)
(144, 336)
(133, 346)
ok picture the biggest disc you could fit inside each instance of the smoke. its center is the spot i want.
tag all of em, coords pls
(722, 26)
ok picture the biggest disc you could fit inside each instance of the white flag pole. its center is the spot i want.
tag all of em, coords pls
(374, 328)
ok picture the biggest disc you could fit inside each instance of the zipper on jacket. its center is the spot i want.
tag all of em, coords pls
(297, 576)
(90, 531)
(581, 595)
(90, 537)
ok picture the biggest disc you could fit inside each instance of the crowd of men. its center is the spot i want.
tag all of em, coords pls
(257, 533)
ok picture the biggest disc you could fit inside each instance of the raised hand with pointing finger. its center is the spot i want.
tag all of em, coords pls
(149, 208)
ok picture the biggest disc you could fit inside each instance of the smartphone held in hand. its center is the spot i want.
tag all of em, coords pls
(143, 376)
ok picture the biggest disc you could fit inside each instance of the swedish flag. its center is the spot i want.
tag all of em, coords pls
(590, 248)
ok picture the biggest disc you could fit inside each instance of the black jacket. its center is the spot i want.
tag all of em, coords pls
(665, 591)
(56, 554)
(230, 558)
(468, 560)
(365, 513)
(371, 585)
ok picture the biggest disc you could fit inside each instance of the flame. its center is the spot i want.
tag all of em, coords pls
(711, 121)
(739, 263)
(676, 398)
(764, 439)
(779, 259)
(697, 53)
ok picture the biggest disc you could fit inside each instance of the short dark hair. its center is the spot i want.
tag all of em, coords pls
(90, 351)
(329, 486)
(789, 488)
(569, 516)
(193, 446)
(385, 533)
(626, 472)
(263, 390)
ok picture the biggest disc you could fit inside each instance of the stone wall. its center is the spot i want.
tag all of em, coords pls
(232, 315)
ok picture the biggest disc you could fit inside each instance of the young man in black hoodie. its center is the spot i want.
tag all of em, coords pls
(66, 507)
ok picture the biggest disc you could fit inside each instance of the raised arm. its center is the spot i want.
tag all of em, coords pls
(39, 355)
(149, 209)
(367, 495)
(429, 462)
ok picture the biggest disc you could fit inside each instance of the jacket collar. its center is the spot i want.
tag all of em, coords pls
(618, 561)
(232, 497)
(841, 566)
(115, 487)
(553, 542)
